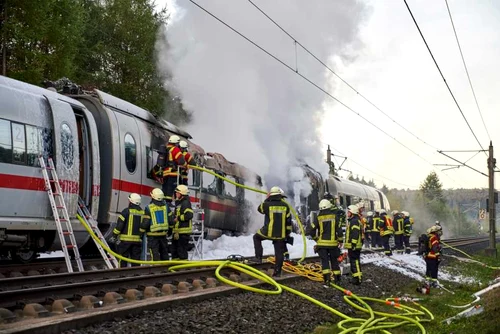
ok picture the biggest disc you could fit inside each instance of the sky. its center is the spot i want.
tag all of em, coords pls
(257, 112)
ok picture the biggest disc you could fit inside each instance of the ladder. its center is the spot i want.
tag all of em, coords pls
(58, 205)
(196, 237)
(91, 223)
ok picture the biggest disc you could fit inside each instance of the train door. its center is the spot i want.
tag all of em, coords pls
(67, 160)
(130, 162)
(84, 151)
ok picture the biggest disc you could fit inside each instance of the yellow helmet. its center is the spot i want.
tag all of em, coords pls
(182, 189)
(174, 139)
(157, 194)
(135, 199)
(325, 204)
(183, 144)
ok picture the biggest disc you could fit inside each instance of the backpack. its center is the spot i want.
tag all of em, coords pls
(423, 244)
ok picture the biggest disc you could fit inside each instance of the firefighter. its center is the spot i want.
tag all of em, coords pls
(432, 257)
(354, 242)
(327, 232)
(188, 158)
(155, 225)
(339, 211)
(168, 165)
(127, 234)
(183, 224)
(371, 229)
(407, 229)
(376, 232)
(398, 222)
(277, 223)
(386, 230)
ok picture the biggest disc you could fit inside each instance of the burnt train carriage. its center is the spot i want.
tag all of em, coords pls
(103, 148)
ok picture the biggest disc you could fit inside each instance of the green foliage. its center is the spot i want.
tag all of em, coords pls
(432, 189)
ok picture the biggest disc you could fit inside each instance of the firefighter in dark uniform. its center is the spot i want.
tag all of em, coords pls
(376, 238)
(127, 234)
(432, 257)
(277, 224)
(354, 242)
(183, 223)
(398, 224)
(155, 225)
(386, 230)
(372, 228)
(188, 158)
(407, 229)
(169, 161)
(339, 211)
(327, 232)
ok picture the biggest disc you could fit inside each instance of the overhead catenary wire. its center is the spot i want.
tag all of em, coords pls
(306, 79)
(466, 70)
(296, 42)
(441, 73)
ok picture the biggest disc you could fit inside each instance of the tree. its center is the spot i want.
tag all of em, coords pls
(384, 189)
(118, 51)
(432, 189)
(40, 39)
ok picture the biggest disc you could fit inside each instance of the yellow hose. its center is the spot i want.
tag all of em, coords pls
(470, 257)
(411, 316)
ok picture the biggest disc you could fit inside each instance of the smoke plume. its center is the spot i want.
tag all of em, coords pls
(245, 104)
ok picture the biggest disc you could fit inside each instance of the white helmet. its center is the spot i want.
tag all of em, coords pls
(394, 212)
(135, 199)
(369, 213)
(382, 211)
(435, 229)
(276, 191)
(157, 194)
(174, 139)
(325, 204)
(405, 213)
(354, 209)
(182, 189)
(183, 144)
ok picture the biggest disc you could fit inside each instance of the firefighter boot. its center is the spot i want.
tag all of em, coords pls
(337, 279)
(326, 280)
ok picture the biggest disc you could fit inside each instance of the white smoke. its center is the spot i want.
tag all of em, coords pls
(245, 104)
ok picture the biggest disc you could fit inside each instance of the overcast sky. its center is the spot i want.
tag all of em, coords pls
(376, 48)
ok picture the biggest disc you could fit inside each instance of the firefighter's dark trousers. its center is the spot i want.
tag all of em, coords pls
(158, 248)
(329, 260)
(406, 240)
(431, 269)
(168, 187)
(375, 239)
(354, 258)
(180, 247)
(398, 240)
(279, 250)
(131, 250)
(385, 243)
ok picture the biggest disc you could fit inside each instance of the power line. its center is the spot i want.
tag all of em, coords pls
(466, 70)
(441, 73)
(338, 76)
(309, 81)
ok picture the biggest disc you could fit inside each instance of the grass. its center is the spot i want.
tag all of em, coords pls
(484, 323)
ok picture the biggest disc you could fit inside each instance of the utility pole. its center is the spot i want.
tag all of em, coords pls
(4, 37)
(492, 249)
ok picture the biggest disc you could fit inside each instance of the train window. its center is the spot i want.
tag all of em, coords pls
(18, 143)
(33, 145)
(5, 142)
(151, 158)
(229, 189)
(67, 151)
(130, 153)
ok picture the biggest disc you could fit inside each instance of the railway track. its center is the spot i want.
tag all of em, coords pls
(49, 303)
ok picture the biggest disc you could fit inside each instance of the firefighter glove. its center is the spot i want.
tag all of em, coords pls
(176, 236)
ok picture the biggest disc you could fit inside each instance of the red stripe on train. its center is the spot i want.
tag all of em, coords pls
(34, 183)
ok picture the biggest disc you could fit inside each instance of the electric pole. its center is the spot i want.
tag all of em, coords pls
(492, 249)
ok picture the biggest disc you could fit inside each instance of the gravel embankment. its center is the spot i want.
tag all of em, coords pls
(257, 313)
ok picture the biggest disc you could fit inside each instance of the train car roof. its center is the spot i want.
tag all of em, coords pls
(127, 107)
(351, 187)
(29, 88)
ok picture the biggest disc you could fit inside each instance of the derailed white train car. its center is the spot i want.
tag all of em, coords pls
(104, 149)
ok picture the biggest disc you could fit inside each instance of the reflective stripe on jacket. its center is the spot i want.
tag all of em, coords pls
(129, 224)
(326, 229)
(353, 233)
(184, 216)
(277, 220)
(155, 220)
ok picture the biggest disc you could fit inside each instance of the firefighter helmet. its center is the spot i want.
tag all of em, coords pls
(174, 139)
(276, 191)
(405, 213)
(157, 194)
(354, 209)
(134, 198)
(369, 213)
(394, 212)
(325, 204)
(383, 212)
(183, 144)
(328, 196)
(435, 229)
(182, 189)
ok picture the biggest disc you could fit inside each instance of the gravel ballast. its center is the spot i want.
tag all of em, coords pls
(257, 313)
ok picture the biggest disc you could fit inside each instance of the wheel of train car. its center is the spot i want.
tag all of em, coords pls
(25, 256)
